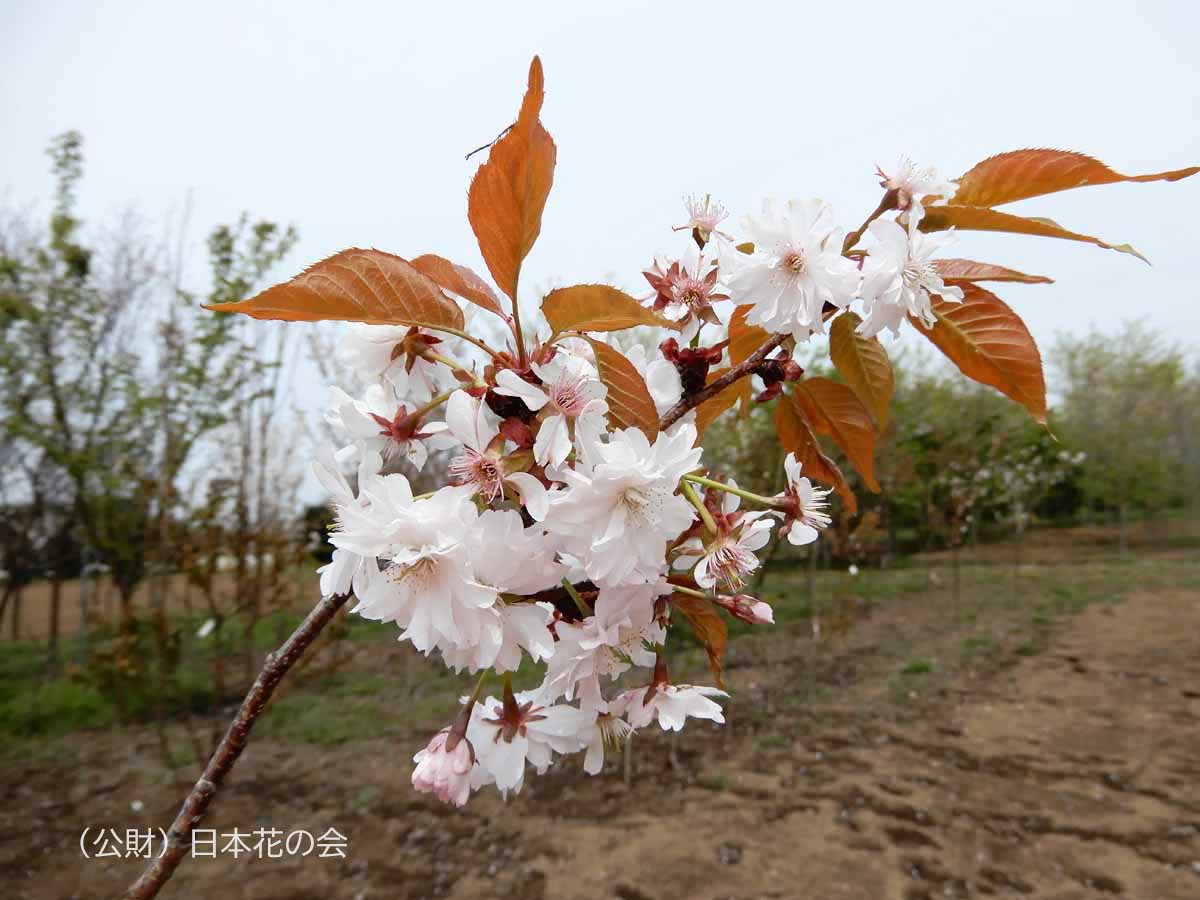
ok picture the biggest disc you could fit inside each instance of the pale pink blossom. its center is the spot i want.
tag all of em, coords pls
(444, 768)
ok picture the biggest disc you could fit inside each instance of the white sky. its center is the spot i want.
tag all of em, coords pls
(351, 121)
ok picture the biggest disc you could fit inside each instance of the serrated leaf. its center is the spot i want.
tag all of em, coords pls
(459, 280)
(629, 402)
(708, 411)
(597, 307)
(1020, 174)
(508, 193)
(958, 270)
(833, 409)
(795, 436)
(990, 344)
(355, 286)
(980, 218)
(744, 340)
(864, 364)
(708, 627)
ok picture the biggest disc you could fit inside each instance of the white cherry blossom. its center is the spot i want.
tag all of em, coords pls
(379, 423)
(570, 389)
(796, 268)
(730, 555)
(617, 513)
(481, 462)
(807, 515)
(899, 277)
(671, 704)
(660, 375)
(528, 731)
(374, 353)
(913, 185)
(605, 643)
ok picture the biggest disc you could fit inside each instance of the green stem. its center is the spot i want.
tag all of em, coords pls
(691, 592)
(432, 404)
(478, 687)
(458, 332)
(694, 499)
(771, 502)
(453, 364)
(583, 606)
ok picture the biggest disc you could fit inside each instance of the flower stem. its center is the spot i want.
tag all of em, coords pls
(691, 592)
(516, 324)
(431, 405)
(458, 332)
(584, 608)
(453, 364)
(888, 202)
(771, 502)
(694, 499)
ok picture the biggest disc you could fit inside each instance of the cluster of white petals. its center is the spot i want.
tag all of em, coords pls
(557, 535)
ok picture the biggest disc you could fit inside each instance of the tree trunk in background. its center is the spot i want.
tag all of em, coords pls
(55, 609)
(15, 621)
(8, 592)
(1122, 530)
(957, 578)
(85, 597)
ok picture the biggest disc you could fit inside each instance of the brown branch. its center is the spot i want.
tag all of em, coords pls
(744, 368)
(890, 198)
(197, 802)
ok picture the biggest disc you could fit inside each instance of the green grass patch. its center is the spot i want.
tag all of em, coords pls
(917, 666)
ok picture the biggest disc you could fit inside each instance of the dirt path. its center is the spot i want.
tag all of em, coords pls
(1059, 779)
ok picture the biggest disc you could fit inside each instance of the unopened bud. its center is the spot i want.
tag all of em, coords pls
(748, 609)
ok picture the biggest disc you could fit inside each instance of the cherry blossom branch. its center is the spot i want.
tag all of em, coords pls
(744, 368)
(888, 202)
(197, 802)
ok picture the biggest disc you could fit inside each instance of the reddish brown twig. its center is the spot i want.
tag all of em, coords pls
(231, 746)
(714, 387)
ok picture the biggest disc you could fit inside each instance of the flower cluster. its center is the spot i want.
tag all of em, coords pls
(574, 521)
(564, 534)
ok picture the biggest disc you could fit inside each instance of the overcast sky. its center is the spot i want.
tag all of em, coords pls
(351, 122)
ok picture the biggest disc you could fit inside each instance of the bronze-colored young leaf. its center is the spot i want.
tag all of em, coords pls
(629, 402)
(990, 344)
(508, 193)
(833, 409)
(795, 436)
(459, 280)
(597, 307)
(743, 341)
(708, 411)
(980, 218)
(355, 286)
(864, 364)
(708, 626)
(1020, 174)
(954, 271)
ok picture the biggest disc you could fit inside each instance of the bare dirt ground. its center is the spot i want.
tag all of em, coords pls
(932, 750)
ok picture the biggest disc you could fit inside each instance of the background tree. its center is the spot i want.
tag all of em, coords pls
(1128, 402)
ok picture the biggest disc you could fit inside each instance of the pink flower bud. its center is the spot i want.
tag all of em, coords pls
(749, 609)
(444, 768)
